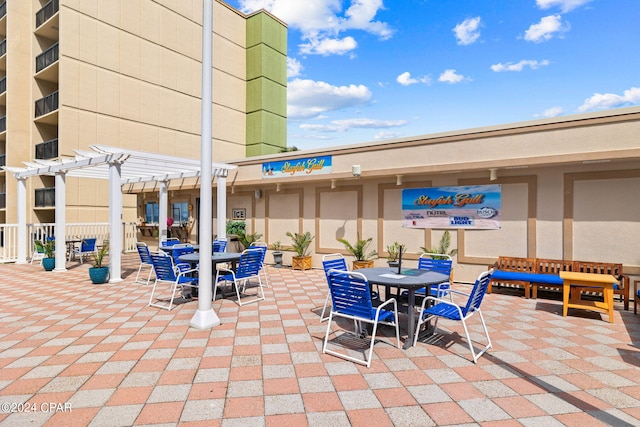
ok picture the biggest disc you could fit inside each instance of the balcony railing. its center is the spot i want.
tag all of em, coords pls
(47, 58)
(3, 8)
(3, 47)
(3, 123)
(47, 11)
(3, 200)
(45, 197)
(47, 149)
(47, 104)
(3, 160)
(3, 85)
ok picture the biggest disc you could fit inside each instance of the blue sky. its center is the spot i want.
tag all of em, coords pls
(369, 70)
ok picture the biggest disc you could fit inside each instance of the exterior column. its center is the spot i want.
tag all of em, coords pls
(115, 223)
(61, 222)
(205, 317)
(163, 200)
(222, 207)
(22, 220)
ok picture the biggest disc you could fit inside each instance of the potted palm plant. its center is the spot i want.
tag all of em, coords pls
(99, 273)
(300, 246)
(363, 259)
(49, 248)
(277, 254)
(392, 253)
(443, 247)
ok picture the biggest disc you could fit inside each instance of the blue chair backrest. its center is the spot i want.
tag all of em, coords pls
(88, 245)
(438, 265)
(169, 242)
(477, 293)
(249, 264)
(337, 263)
(262, 247)
(163, 267)
(176, 252)
(350, 293)
(219, 245)
(143, 251)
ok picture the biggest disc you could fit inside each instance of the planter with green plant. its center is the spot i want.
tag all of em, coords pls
(393, 251)
(99, 273)
(247, 239)
(277, 254)
(442, 248)
(300, 245)
(359, 250)
(49, 249)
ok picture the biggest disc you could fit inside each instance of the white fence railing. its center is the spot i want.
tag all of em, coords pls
(9, 236)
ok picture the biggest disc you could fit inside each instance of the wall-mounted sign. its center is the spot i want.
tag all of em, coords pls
(239, 213)
(476, 207)
(297, 167)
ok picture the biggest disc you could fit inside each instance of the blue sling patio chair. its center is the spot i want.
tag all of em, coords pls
(38, 251)
(331, 262)
(181, 249)
(439, 263)
(174, 275)
(145, 261)
(87, 248)
(447, 309)
(248, 269)
(351, 299)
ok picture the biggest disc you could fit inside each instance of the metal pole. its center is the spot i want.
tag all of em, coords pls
(205, 317)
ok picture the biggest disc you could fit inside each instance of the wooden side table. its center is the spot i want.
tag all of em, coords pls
(590, 280)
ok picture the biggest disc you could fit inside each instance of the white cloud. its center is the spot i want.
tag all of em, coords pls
(359, 123)
(327, 46)
(545, 29)
(385, 134)
(294, 67)
(322, 21)
(309, 98)
(450, 76)
(552, 112)
(564, 5)
(467, 32)
(603, 101)
(405, 79)
(509, 66)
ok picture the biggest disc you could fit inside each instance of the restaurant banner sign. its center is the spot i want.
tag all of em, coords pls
(474, 207)
(298, 167)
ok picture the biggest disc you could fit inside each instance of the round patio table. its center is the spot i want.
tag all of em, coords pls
(216, 258)
(410, 279)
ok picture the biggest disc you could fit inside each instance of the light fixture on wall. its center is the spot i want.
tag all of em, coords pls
(398, 179)
(493, 174)
(333, 184)
(278, 187)
(233, 189)
(356, 171)
(257, 194)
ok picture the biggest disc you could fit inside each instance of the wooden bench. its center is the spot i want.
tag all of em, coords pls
(539, 269)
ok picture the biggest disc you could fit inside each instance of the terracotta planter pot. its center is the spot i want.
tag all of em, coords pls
(362, 264)
(301, 263)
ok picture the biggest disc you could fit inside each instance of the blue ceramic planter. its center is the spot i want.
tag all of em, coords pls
(48, 263)
(99, 275)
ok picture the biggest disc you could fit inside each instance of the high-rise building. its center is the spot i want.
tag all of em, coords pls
(127, 73)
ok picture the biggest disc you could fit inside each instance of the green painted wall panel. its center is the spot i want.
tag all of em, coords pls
(263, 61)
(264, 123)
(263, 28)
(263, 94)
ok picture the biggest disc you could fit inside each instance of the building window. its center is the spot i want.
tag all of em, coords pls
(151, 212)
(180, 212)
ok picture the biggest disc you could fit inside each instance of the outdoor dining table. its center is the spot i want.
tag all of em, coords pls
(168, 249)
(216, 258)
(410, 279)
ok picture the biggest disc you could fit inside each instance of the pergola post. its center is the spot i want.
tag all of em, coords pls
(22, 220)
(205, 317)
(115, 223)
(61, 222)
(163, 199)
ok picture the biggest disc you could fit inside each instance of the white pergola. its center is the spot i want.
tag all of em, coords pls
(121, 167)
